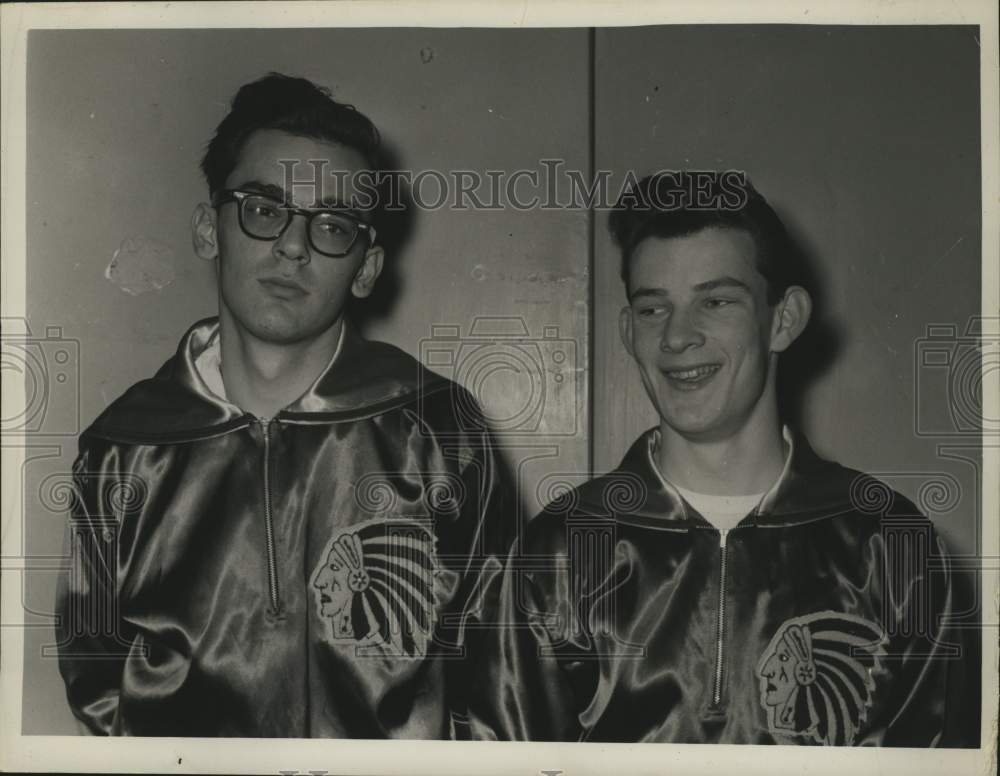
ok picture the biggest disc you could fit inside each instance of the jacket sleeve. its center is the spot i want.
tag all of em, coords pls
(521, 690)
(496, 684)
(92, 642)
(932, 702)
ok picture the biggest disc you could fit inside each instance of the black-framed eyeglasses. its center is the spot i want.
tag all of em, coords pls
(332, 233)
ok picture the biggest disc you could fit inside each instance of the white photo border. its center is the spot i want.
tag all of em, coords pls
(173, 755)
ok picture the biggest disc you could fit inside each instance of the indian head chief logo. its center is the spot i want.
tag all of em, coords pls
(374, 586)
(816, 676)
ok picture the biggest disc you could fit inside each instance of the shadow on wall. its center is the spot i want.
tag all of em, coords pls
(394, 225)
(812, 354)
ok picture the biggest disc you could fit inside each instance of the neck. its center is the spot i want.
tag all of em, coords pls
(747, 462)
(263, 378)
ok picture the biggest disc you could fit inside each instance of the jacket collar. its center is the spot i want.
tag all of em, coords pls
(185, 399)
(809, 488)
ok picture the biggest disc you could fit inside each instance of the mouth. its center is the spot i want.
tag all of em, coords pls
(691, 378)
(325, 599)
(771, 688)
(281, 288)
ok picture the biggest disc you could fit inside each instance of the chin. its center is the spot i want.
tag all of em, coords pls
(691, 427)
(686, 420)
(279, 324)
(705, 427)
(281, 331)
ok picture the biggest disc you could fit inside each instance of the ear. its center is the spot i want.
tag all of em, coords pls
(625, 329)
(204, 235)
(791, 315)
(368, 272)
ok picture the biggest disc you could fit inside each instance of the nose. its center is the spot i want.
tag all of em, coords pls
(679, 332)
(293, 243)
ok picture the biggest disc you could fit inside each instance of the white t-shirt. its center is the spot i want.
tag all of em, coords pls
(724, 512)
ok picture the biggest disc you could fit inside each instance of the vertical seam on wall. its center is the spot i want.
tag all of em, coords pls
(591, 248)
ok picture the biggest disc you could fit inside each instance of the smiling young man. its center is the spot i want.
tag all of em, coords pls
(724, 584)
(277, 534)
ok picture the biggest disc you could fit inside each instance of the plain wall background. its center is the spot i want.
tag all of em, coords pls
(865, 139)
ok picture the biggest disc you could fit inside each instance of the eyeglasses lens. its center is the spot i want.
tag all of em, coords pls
(329, 232)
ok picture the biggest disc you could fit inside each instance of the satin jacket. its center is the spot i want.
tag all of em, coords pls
(821, 618)
(304, 575)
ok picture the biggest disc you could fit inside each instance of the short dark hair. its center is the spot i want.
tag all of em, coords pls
(679, 204)
(293, 105)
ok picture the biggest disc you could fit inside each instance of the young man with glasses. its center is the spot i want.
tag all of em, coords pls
(307, 514)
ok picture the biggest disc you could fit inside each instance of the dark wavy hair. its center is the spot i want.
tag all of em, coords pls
(661, 206)
(293, 105)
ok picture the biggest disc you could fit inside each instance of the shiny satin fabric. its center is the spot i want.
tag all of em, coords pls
(620, 617)
(183, 616)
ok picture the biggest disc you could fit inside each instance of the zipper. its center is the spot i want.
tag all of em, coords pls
(272, 564)
(719, 647)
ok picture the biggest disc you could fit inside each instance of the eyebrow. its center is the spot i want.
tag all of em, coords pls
(643, 291)
(726, 281)
(268, 189)
(279, 193)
